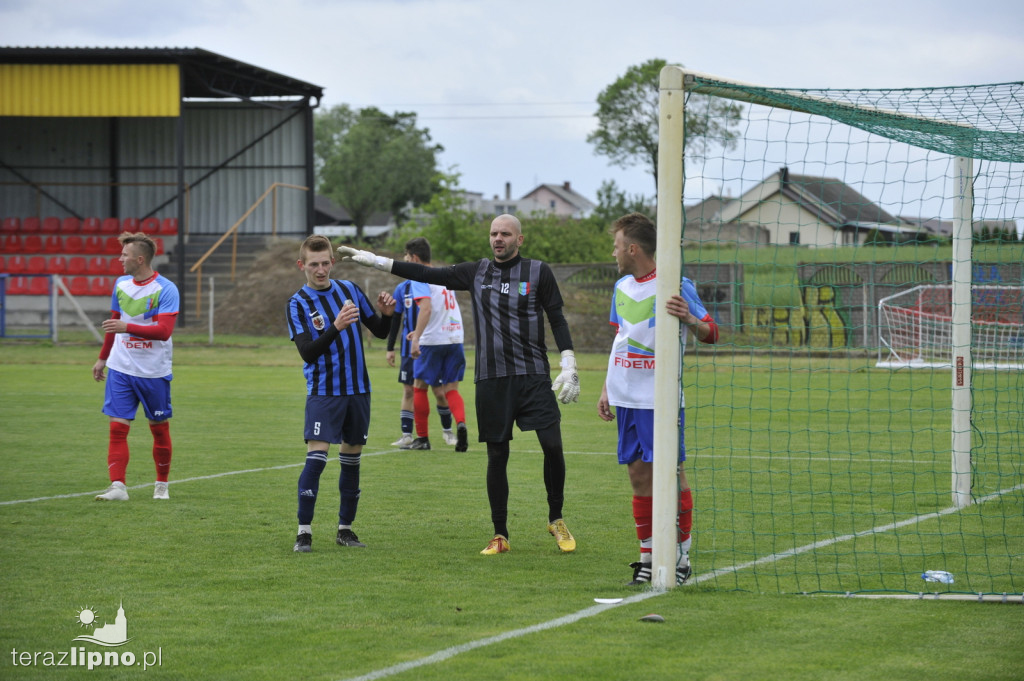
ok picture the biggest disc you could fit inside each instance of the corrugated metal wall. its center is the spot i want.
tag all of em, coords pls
(49, 151)
(89, 90)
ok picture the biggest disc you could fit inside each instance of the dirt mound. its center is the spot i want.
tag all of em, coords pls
(256, 305)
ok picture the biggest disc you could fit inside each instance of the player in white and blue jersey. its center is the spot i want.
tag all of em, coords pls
(439, 357)
(324, 318)
(137, 349)
(629, 386)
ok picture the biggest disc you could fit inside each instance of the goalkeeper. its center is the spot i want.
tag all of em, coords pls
(513, 379)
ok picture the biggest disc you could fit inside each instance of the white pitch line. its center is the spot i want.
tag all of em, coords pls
(449, 653)
(176, 482)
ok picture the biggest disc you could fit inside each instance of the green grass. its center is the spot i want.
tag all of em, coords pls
(209, 578)
(770, 272)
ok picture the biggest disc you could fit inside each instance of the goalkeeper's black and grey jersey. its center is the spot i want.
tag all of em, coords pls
(510, 300)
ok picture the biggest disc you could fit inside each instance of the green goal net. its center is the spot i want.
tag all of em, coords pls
(826, 228)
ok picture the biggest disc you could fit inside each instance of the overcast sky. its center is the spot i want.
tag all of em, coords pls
(509, 88)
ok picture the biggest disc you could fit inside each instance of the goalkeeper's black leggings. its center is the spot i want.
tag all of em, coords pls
(550, 439)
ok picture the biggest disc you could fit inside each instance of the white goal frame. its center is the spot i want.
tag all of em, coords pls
(675, 82)
(916, 328)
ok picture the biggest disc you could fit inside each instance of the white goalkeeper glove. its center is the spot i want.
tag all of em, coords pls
(365, 258)
(567, 385)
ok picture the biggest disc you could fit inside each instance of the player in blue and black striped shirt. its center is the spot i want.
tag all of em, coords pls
(324, 322)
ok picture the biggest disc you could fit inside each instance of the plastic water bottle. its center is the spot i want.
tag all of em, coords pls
(937, 576)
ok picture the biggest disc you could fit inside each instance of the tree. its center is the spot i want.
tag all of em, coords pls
(613, 203)
(627, 119)
(371, 162)
(455, 233)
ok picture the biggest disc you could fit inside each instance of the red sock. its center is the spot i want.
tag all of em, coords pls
(161, 449)
(457, 406)
(421, 411)
(685, 514)
(642, 517)
(117, 451)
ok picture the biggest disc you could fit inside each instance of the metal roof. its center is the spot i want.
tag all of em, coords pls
(206, 75)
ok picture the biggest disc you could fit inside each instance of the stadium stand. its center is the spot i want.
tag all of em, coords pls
(70, 225)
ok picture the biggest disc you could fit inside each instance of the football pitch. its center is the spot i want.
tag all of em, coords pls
(210, 587)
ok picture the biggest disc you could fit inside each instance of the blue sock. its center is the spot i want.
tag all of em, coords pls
(309, 485)
(407, 421)
(446, 417)
(348, 485)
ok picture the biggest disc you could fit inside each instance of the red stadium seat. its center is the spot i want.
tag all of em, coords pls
(169, 227)
(79, 286)
(36, 265)
(73, 244)
(16, 264)
(93, 244)
(17, 286)
(10, 226)
(50, 225)
(101, 286)
(57, 264)
(159, 245)
(97, 265)
(110, 226)
(33, 243)
(150, 226)
(39, 286)
(115, 268)
(70, 225)
(13, 244)
(30, 225)
(130, 225)
(77, 265)
(53, 244)
(112, 245)
(90, 226)
(3, 264)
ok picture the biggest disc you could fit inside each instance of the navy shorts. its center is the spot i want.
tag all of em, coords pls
(636, 434)
(405, 370)
(336, 420)
(440, 364)
(124, 393)
(528, 401)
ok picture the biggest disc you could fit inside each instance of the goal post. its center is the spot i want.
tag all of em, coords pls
(818, 465)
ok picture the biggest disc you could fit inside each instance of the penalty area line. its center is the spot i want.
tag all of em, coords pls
(448, 653)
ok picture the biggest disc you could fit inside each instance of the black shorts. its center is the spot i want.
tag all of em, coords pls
(405, 366)
(528, 401)
(338, 419)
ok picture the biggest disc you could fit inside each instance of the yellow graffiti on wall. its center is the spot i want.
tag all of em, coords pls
(817, 323)
(825, 326)
(778, 326)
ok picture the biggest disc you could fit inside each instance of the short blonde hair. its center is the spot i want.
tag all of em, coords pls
(315, 243)
(146, 244)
